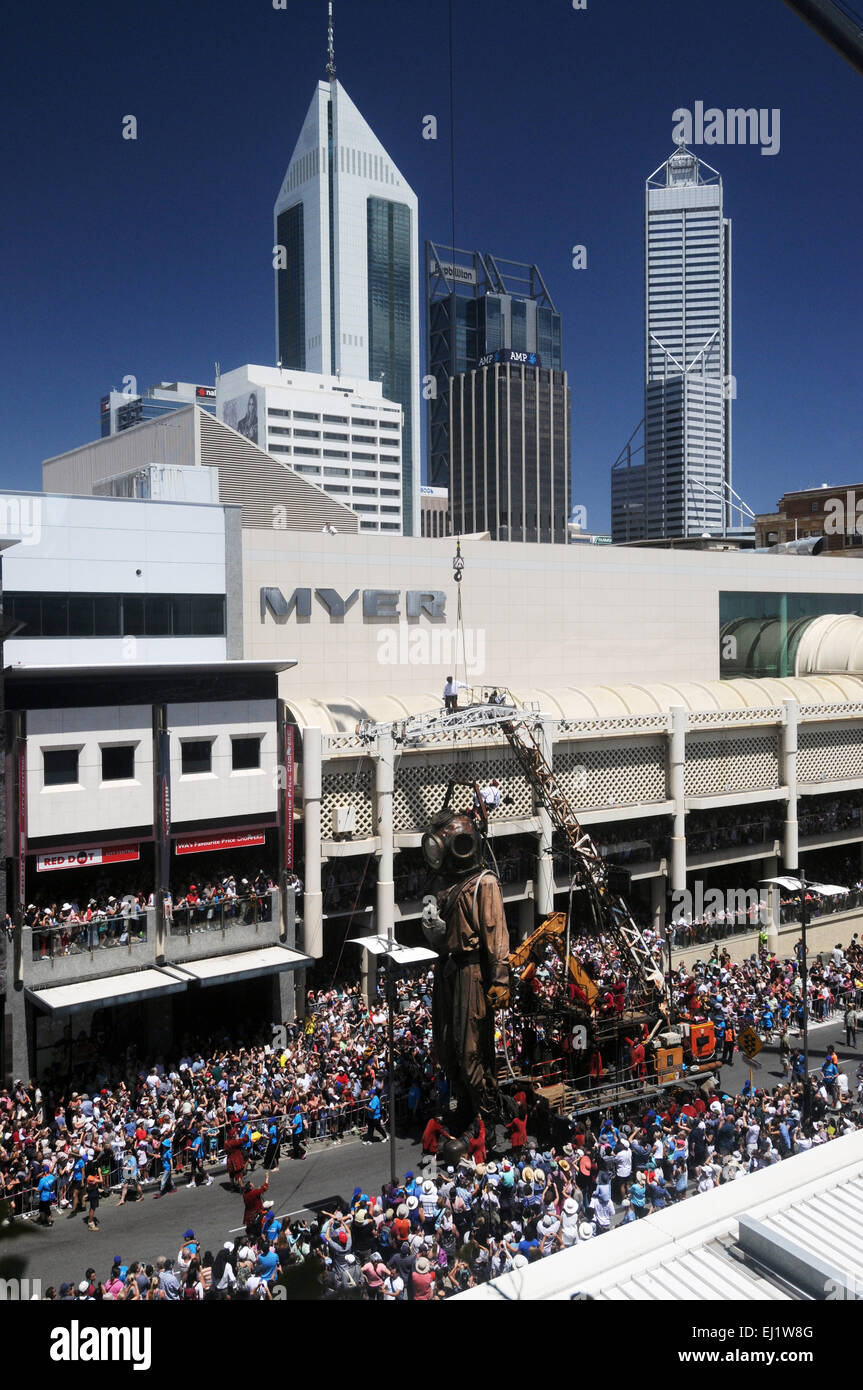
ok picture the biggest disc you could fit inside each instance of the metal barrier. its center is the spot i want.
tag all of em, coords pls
(218, 916)
(83, 938)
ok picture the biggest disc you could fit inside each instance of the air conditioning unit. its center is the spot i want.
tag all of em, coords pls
(344, 820)
(670, 1039)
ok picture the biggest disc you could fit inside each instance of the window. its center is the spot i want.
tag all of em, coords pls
(336, 454)
(118, 763)
(307, 434)
(282, 414)
(364, 439)
(197, 755)
(306, 415)
(60, 767)
(245, 754)
(370, 424)
(335, 419)
(117, 615)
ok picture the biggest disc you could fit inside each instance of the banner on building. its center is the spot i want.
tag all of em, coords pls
(203, 844)
(84, 858)
(289, 796)
(22, 822)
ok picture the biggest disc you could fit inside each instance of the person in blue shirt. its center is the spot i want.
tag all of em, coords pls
(196, 1147)
(297, 1128)
(274, 1143)
(268, 1265)
(46, 1188)
(76, 1186)
(373, 1113)
(166, 1156)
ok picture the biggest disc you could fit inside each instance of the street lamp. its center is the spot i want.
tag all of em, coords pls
(399, 955)
(799, 885)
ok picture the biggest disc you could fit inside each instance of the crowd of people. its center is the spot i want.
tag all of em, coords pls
(85, 923)
(449, 1227)
(64, 1152)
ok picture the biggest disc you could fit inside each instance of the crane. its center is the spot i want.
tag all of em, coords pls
(496, 710)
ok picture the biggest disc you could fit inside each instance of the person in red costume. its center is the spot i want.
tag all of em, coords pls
(235, 1159)
(517, 1131)
(476, 1142)
(253, 1207)
(433, 1134)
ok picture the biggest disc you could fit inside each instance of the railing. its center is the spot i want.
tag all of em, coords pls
(82, 938)
(219, 916)
(744, 833)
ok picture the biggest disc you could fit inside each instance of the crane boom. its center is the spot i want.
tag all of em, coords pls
(518, 724)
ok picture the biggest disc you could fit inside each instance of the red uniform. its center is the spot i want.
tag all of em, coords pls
(433, 1133)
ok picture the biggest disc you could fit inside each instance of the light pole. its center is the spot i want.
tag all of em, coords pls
(396, 955)
(804, 977)
(798, 885)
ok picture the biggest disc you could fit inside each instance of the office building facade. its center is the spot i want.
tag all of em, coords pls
(347, 267)
(338, 433)
(510, 428)
(120, 410)
(683, 487)
(479, 304)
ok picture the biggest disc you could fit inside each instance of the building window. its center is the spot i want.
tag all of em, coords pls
(291, 291)
(306, 415)
(118, 763)
(363, 439)
(335, 419)
(117, 615)
(245, 754)
(60, 767)
(197, 755)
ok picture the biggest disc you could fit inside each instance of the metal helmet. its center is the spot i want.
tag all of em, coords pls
(452, 844)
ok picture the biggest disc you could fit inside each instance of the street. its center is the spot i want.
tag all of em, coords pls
(148, 1229)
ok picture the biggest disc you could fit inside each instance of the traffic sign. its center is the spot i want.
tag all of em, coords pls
(749, 1043)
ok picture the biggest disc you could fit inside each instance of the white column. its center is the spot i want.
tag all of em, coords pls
(790, 851)
(677, 794)
(526, 918)
(384, 787)
(657, 904)
(769, 869)
(313, 911)
(545, 862)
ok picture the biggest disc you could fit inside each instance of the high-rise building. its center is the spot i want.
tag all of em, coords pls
(478, 304)
(341, 434)
(682, 485)
(121, 410)
(347, 275)
(509, 428)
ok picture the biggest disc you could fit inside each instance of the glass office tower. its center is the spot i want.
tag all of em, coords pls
(477, 305)
(347, 278)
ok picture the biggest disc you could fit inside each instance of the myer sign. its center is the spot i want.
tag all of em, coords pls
(376, 603)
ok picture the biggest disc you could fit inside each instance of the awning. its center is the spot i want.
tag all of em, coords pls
(245, 965)
(111, 989)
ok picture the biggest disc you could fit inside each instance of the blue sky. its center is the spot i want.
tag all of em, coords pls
(154, 257)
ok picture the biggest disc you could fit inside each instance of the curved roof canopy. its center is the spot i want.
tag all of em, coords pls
(341, 715)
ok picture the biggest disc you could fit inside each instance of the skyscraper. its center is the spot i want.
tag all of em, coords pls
(347, 281)
(478, 304)
(509, 425)
(681, 487)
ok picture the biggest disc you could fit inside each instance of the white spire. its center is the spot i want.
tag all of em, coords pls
(331, 52)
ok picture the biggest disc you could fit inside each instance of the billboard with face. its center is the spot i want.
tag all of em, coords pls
(242, 415)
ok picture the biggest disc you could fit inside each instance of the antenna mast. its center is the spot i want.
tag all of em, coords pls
(331, 51)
